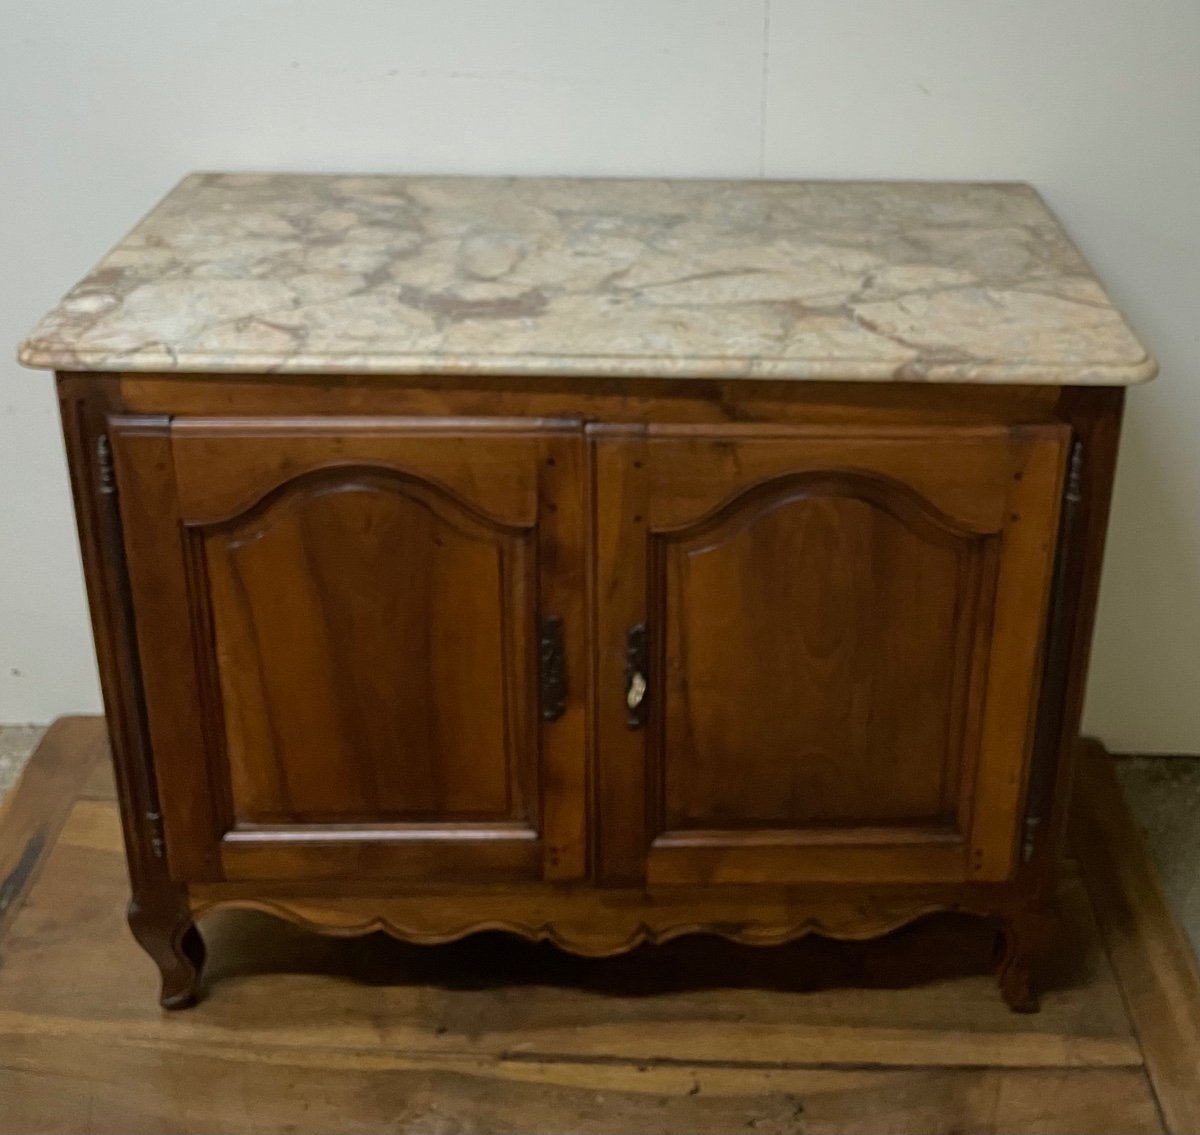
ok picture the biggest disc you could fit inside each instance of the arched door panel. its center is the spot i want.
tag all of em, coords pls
(842, 631)
(344, 672)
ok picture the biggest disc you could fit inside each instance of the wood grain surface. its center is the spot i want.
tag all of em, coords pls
(355, 695)
(300, 1032)
(844, 632)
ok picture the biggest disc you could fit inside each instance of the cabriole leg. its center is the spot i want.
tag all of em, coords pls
(165, 930)
(1025, 935)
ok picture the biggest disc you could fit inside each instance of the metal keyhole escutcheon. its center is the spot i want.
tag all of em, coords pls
(635, 676)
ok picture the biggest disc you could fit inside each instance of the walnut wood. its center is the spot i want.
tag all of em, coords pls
(608, 922)
(357, 693)
(599, 399)
(158, 910)
(320, 603)
(1095, 420)
(827, 612)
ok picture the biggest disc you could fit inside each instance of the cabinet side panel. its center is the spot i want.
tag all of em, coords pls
(1094, 415)
(1022, 601)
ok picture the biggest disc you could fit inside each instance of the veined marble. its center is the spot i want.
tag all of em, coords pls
(942, 282)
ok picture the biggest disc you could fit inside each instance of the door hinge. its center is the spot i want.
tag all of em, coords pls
(1044, 761)
(157, 840)
(1074, 490)
(636, 677)
(1029, 842)
(105, 478)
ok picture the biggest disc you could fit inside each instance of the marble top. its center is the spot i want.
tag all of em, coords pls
(939, 282)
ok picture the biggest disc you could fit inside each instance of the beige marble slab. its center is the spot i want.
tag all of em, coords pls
(942, 282)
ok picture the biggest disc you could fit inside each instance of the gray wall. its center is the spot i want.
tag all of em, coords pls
(1097, 102)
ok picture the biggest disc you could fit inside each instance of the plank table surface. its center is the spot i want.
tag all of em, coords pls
(303, 1033)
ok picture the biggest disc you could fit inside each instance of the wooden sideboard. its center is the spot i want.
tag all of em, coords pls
(598, 649)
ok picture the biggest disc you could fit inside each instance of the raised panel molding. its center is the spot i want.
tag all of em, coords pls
(314, 699)
(745, 505)
(291, 489)
(852, 549)
(224, 465)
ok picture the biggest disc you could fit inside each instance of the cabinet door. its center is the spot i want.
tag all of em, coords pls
(838, 631)
(341, 628)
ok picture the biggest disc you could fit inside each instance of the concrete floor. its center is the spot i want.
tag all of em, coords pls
(1164, 793)
(16, 743)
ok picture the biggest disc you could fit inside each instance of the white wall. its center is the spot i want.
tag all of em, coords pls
(103, 106)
